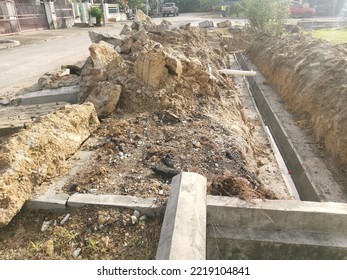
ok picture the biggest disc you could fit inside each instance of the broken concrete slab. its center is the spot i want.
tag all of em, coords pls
(96, 69)
(206, 24)
(63, 94)
(102, 54)
(58, 79)
(183, 234)
(114, 40)
(105, 98)
(160, 28)
(150, 67)
(29, 156)
(224, 24)
(140, 35)
(143, 19)
(174, 65)
(126, 30)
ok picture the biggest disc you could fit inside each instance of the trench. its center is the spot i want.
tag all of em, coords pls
(303, 183)
(315, 174)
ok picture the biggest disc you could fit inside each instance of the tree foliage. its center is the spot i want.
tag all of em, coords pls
(187, 6)
(209, 5)
(134, 3)
(267, 15)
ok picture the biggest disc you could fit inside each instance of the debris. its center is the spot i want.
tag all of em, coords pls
(143, 218)
(126, 30)
(133, 220)
(206, 24)
(237, 72)
(76, 253)
(224, 24)
(105, 98)
(314, 64)
(165, 171)
(45, 225)
(136, 214)
(63, 221)
(150, 67)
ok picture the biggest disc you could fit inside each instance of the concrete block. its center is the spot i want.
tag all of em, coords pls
(206, 24)
(161, 28)
(63, 94)
(183, 235)
(54, 202)
(147, 206)
(140, 35)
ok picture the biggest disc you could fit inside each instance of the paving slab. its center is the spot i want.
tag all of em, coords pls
(13, 118)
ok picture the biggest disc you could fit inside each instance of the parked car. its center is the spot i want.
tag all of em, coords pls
(298, 10)
(169, 8)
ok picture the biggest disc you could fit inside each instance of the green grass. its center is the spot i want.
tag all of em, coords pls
(336, 35)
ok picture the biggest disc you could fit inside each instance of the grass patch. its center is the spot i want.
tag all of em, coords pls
(335, 35)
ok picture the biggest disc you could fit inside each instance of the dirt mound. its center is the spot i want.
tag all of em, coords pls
(311, 77)
(243, 187)
(30, 156)
(176, 113)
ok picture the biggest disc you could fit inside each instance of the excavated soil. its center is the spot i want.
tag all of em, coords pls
(310, 75)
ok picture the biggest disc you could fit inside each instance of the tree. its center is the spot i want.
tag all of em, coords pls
(135, 3)
(186, 6)
(209, 5)
(267, 15)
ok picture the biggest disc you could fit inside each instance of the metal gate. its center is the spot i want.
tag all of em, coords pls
(31, 17)
(16, 17)
(65, 16)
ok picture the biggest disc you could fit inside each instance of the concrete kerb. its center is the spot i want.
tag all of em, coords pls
(145, 206)
(275, 229)
(64, 94)
(62, 201)
(183, 234)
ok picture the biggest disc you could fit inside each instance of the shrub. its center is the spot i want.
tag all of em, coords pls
(267, 15)
(97, 13)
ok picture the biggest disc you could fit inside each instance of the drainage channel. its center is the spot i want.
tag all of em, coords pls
(304, 185)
